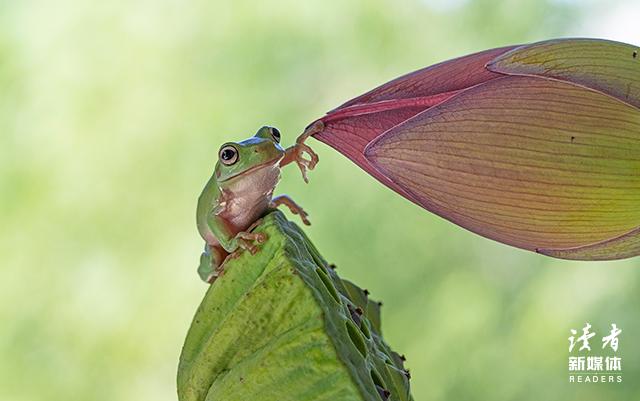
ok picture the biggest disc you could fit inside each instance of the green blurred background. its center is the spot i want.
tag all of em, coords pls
(111, 114)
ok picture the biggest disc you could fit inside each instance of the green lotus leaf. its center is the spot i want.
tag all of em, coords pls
(281, 325)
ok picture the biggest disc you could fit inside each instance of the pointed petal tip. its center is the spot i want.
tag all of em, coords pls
(622, 247)
(373, 151)
(370, 150)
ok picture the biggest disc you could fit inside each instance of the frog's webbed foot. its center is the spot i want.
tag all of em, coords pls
(297, 152)
(246, 240)
(292, 206)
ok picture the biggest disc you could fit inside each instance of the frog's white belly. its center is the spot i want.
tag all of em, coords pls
(248, 198)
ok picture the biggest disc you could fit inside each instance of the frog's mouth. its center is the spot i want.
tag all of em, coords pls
(273, 163)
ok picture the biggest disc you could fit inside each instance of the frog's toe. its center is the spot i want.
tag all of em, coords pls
(248, 246)
(305, 218)
(246, 241)
(313, 156)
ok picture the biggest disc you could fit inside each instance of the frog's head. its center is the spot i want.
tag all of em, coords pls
(237, 158)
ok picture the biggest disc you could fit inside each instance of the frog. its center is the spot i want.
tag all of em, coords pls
(240, 192)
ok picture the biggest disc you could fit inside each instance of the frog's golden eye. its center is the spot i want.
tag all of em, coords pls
(228, 155)
(275, 133)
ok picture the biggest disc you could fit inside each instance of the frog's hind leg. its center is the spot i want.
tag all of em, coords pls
(212, 262)
(291, 205)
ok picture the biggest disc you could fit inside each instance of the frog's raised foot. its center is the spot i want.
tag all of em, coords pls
(296, 153)
(302, 148)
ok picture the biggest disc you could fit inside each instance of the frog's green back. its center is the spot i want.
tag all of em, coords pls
(281, 325)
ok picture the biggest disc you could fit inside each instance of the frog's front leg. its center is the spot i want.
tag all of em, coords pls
(296, 152)
(211, 262)
(291, 205)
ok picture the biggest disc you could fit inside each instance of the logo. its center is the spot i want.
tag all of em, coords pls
(601, 365)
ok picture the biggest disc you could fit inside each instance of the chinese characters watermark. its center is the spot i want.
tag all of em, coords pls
(594, 368)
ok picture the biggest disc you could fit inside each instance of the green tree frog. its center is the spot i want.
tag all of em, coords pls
(240, 192)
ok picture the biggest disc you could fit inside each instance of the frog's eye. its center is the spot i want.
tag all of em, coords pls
(228, 155)
(275, 133)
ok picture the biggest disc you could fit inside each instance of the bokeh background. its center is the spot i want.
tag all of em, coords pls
(111, 114)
